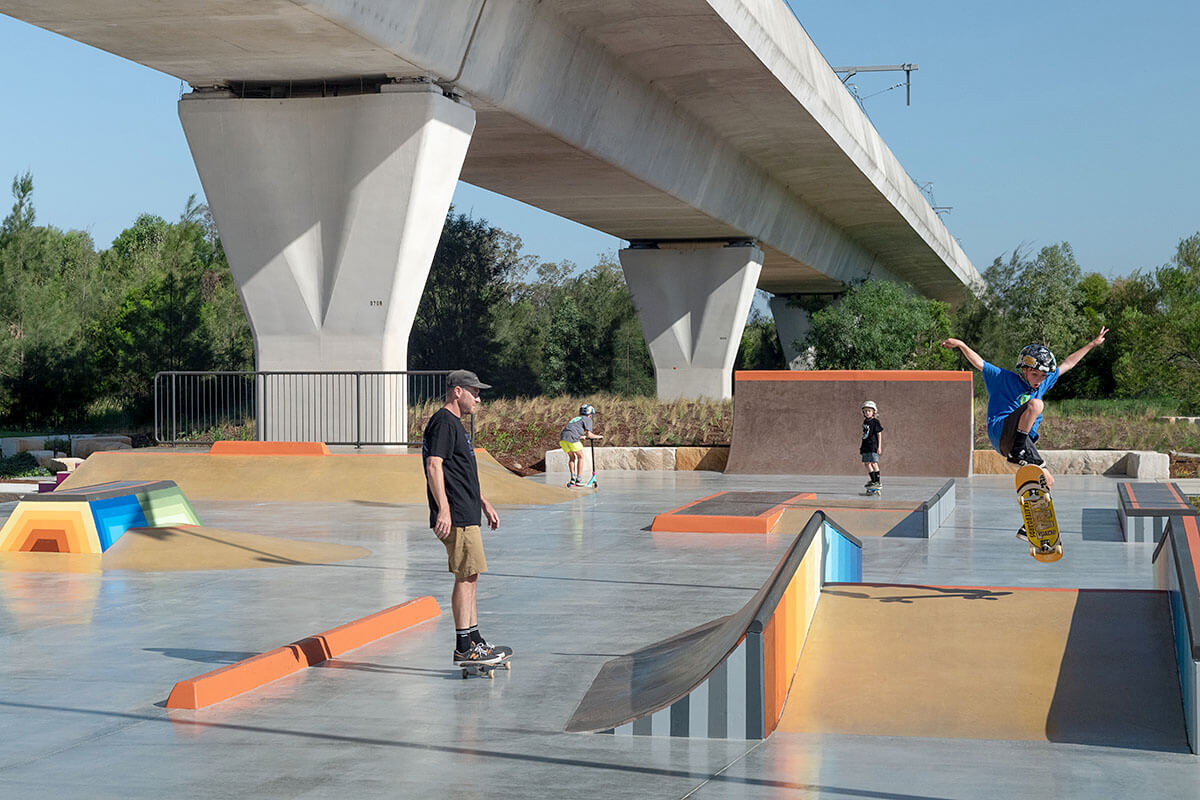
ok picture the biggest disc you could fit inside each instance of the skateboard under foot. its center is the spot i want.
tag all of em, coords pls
(484, 669)
(1037, 509)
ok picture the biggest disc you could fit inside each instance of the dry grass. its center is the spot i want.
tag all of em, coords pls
(519, 431)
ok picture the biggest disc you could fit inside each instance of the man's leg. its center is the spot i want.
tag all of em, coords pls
(462, 602)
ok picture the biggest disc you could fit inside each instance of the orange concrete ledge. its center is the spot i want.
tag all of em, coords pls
(243, 448)
(675, 521)
(221, 684)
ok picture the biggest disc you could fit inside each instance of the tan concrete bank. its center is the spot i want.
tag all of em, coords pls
(329, 478)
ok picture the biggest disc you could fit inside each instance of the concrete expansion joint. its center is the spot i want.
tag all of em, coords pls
(692, 244)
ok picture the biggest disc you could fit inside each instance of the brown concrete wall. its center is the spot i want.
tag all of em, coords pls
(810, 423)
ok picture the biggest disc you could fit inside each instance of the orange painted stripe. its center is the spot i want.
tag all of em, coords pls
(1174, 490)
(251, 673)
(243, 448)
(988, 588)
(1133, 501)
(694, 502)
(1193, 539)
(852, 375)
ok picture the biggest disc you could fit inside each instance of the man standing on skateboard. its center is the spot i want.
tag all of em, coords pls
(1015, 398)
(455, 504)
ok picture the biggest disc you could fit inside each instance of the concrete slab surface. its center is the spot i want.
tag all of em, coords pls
(89, 658)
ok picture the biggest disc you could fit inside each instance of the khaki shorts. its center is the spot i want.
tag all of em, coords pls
(464, 550)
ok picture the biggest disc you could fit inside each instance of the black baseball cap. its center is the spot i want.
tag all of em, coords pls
(464, 377)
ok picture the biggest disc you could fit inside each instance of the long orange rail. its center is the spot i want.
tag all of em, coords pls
(251, 673)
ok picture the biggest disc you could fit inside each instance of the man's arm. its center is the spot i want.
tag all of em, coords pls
(437, 485)
(488, 511)
(972, 357)
(1070, 361)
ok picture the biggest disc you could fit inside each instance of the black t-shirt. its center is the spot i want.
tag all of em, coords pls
(446, 438)
(870, 437)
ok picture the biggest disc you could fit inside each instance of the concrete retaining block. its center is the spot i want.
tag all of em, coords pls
(82, 448)
(1140, 464)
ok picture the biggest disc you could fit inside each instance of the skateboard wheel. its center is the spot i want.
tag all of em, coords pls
(491, 673)
(1033, 551)
(508, 665)
(464, 672)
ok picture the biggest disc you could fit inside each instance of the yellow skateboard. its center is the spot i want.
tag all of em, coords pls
(1037, 509)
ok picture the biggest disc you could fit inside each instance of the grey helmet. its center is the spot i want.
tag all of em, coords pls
(1036, 356)
(871, 405)
(586, 410)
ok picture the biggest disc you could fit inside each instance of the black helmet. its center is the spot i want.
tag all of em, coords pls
(585, 410)
(1036, 356)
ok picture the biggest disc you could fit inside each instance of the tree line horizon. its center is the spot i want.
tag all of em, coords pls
(84, 330)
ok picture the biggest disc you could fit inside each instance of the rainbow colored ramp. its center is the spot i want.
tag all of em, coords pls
(90, 518)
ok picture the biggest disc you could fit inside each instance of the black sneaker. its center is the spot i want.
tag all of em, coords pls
(1023, 458)
(1022, 535)
(478, 654)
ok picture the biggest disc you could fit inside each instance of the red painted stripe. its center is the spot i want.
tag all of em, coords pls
(852, 375)
(1174, 490)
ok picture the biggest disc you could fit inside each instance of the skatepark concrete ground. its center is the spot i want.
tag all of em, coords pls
(89, 658)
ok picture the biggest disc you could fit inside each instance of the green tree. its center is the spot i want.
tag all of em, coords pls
(881, 325)
(760, 347)
(470, 276)
(44, 279)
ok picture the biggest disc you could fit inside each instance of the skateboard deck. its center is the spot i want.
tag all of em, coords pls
(1037, 510)
(486, 670)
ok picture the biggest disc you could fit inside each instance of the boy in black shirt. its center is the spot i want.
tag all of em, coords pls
(872, 443)
(455, 503)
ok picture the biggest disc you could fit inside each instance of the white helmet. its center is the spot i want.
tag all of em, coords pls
(871, 405)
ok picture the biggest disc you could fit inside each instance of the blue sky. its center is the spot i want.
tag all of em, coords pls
(1034, 122)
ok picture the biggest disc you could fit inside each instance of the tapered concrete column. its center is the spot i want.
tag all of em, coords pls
(793, 321)
(693, 305)
(330, 210)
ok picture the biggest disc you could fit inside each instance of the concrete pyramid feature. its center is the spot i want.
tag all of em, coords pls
(90, 519)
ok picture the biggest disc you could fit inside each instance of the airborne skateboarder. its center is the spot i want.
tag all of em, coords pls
(1015, 398)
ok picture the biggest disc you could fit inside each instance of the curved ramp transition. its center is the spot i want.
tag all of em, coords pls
(1084, 666)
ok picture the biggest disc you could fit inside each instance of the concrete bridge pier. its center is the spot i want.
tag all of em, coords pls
(330, 210)
(793, 321)
(692, 301)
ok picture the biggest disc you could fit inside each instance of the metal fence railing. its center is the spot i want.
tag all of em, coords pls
(343, 408)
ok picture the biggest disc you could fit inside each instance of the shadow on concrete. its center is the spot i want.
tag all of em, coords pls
(1101, 525)
(187, 719)
(1118, 685)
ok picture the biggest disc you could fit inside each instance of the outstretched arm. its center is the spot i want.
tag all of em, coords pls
(972, 357)
(1070, 361)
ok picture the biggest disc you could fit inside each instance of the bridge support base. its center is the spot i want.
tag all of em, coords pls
(692, 304)
(330, 210)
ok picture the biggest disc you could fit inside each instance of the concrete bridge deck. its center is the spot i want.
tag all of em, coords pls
(90, 657)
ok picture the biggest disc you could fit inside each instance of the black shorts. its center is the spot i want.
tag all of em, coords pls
(1009, 432)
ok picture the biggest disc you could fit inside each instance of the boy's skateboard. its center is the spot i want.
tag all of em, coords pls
(873, 491)
(1037, 509)
(485, 670)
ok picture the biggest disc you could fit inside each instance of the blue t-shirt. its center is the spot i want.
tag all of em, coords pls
(1008, 391)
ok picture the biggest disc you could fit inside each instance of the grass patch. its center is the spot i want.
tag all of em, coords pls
(21, 465)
